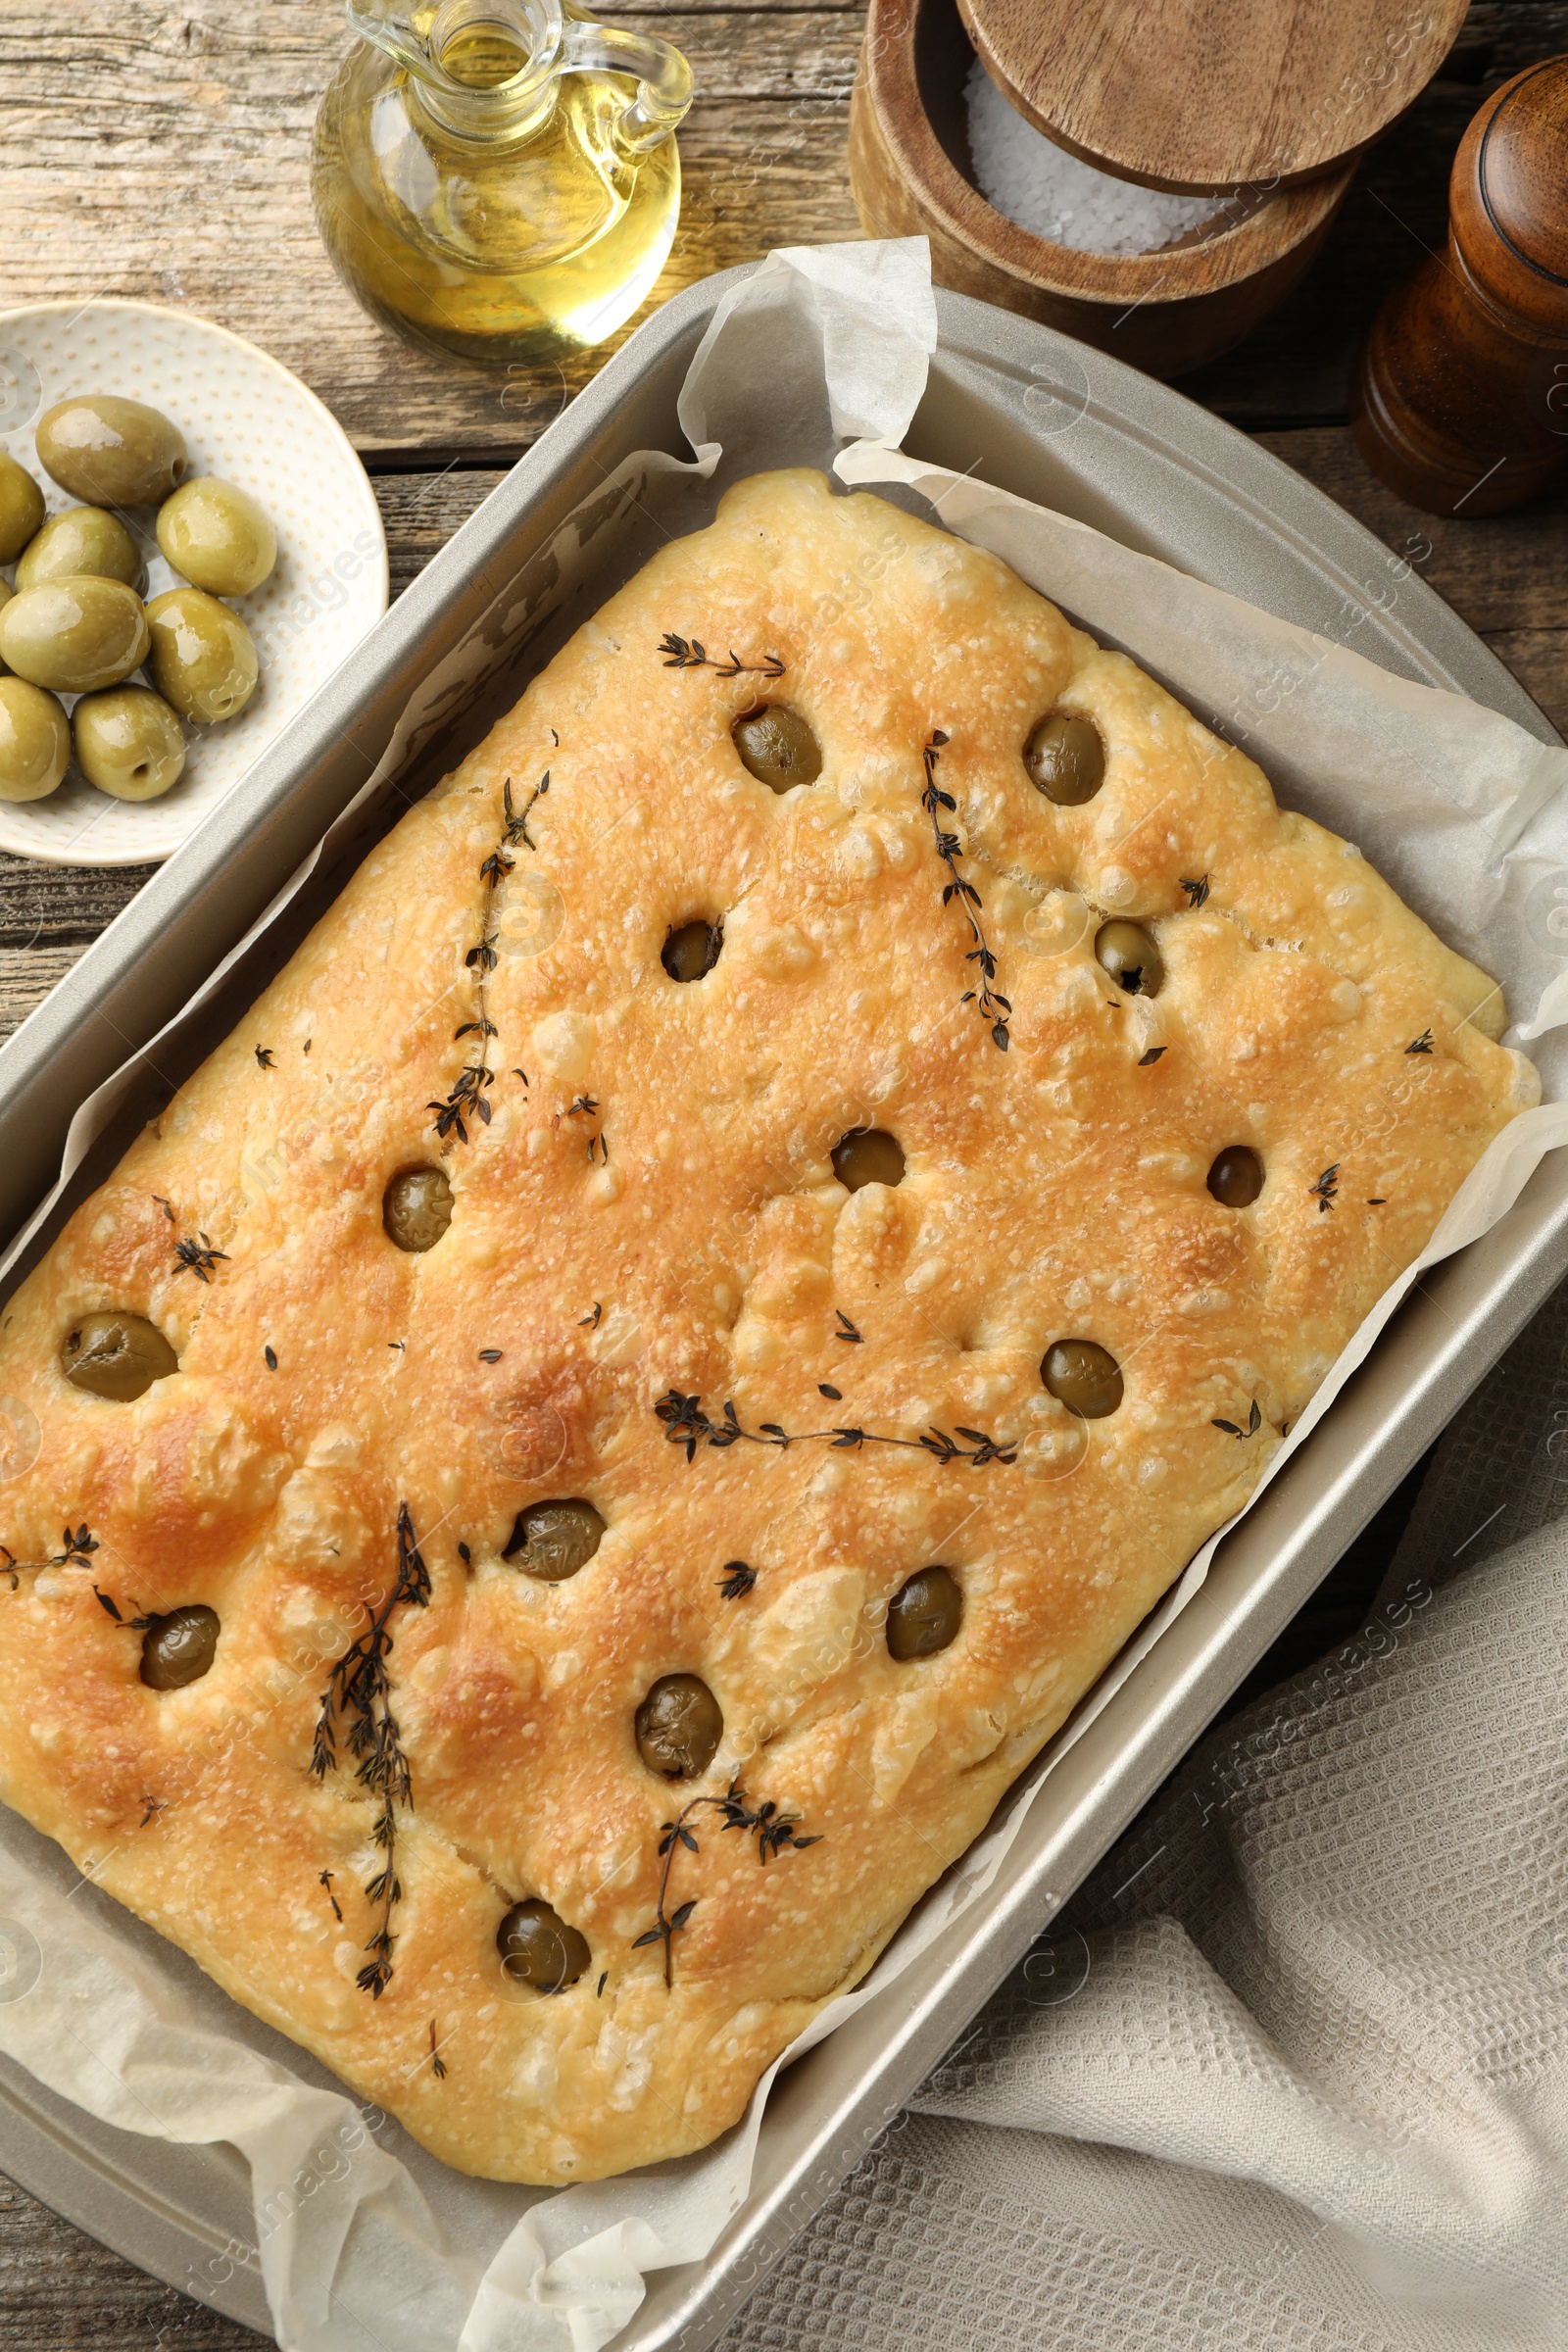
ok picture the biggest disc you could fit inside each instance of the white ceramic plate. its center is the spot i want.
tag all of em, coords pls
(247, 419)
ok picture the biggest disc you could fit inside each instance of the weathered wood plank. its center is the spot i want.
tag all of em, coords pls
(113, 114)
(1504, 574)
(61, 2289)
(168, 156)
(421, 510)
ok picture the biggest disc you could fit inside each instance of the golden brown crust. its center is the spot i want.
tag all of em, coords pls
(686, 1234)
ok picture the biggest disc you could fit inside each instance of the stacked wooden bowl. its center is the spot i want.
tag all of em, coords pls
(1274, 138)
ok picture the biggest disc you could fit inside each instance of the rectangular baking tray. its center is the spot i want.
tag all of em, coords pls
(1066, 426)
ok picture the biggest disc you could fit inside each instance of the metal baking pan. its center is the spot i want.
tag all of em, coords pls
(1038, 413)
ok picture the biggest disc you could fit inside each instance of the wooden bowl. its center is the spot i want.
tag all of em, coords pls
(912, 175)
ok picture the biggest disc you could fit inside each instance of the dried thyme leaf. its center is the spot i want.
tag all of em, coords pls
(197, 1258)
(358, 1701)
(1326, 1188)
(992, 1007)
(774, 1831)
(681, 653)
(686, 1424)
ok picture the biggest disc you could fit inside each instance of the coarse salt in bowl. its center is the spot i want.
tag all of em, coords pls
(1057, 195)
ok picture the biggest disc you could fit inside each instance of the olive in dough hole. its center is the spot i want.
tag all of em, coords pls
(538, 1948)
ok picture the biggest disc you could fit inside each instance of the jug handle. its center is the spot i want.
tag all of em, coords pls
(662, 76)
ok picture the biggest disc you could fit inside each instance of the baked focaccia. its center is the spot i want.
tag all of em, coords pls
(602, 1428)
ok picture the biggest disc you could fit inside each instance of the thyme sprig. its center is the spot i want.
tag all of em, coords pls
(737, 1580)
(358, 1698)
(79, 1547)
(682, 654)
(1254, 1422)
(992, 1007)
(1421, 1044)
(774, 1831)
(469, 1095)
(686, 1424)
(1196, 889)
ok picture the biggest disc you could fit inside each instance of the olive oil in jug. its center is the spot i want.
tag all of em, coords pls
(499, 179)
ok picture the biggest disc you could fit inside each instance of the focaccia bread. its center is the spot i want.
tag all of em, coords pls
(1142, 1091)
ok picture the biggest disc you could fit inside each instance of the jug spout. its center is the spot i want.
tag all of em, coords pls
(477, 65)
(391, 27)
(480, 66)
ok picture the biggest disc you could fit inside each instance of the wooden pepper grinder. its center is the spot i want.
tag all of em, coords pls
(1461, 397)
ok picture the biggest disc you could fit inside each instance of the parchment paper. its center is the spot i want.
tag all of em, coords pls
(361, 2238)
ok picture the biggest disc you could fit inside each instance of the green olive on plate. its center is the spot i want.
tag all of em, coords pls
(128, 742)
(34, 741)
(217, 536)
(76, 635)
(112, 452)
(21, 508)
(202, 658)
(85, 541)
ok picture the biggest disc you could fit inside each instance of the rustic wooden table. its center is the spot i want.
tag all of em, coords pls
(161, 152)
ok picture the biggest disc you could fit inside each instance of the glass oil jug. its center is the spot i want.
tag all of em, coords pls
(499, 179)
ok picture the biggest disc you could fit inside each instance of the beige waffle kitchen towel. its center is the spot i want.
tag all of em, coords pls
(1292, 2070)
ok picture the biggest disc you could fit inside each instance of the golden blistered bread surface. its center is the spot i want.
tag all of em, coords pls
(961, 1069)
